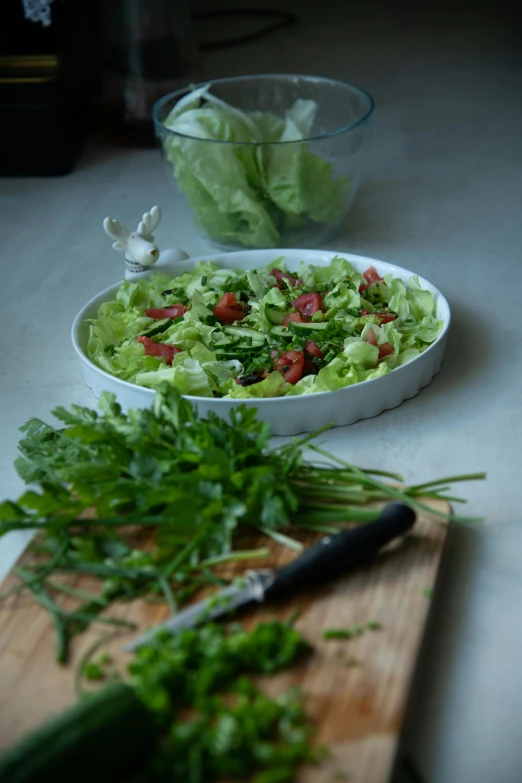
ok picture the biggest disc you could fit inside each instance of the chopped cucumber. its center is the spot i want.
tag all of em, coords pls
(157, 327)
(243, 332)
(228, 355)
(280, 331)
(274, 314)
(309, 329)
(226, 344)
(110, 725)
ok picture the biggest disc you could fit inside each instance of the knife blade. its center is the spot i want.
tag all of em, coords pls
(323, 562)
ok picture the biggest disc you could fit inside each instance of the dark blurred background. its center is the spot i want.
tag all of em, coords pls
(100, 64)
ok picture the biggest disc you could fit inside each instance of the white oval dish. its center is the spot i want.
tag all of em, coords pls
(286, 415)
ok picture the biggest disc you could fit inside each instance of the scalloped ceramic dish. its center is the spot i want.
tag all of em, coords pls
(286, 415)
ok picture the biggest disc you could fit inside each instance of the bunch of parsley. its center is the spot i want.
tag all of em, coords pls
(198, 484)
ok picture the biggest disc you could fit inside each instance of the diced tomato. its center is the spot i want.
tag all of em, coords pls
(172, 311)
(295, 318)
(372, 276)
(308, 304)
(313, 349)
(370, 337)
(385, 350)
(384, 318)
(280, 276)
(229, 300)
(228, 309)
(290, 365)
(162, 350)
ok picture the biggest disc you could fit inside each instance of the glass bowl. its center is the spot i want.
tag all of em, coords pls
(282, 171)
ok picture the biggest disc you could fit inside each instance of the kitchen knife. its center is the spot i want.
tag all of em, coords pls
(331, 557)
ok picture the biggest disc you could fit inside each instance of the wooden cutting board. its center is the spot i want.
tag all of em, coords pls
(354, 690)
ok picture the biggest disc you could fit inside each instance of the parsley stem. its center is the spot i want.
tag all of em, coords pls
(383, 473)
(182, 556)
(103, 570)
(37, 575)
(227, 557)
(335, 515)
(280, 538)
(388, 490)
(347, 512)
(437, 496)
(451, 479)
(88, 618)
(42, 597)
(330, 529)
(167, 592)
(83, 594)
(88, 613)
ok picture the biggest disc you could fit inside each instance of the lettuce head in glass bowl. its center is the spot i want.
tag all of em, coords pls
(268, 161)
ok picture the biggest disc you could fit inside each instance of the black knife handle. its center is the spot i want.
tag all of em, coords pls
(335, 555)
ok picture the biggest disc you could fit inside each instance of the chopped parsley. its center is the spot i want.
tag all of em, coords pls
(217, 724)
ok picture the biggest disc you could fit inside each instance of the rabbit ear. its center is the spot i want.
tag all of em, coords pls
(117, 231)
(149, 222)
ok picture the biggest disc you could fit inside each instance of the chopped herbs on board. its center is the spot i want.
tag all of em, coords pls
(200, 486)
(343, 633)
(232, 729)
(352, 632)
(188, 709)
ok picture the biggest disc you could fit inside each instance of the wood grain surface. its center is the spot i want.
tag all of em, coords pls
(355, 690)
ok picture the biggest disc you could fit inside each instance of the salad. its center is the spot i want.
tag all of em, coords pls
(235, 333)
(250, 194)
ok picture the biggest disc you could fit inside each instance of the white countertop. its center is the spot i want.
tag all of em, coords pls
(442, 196)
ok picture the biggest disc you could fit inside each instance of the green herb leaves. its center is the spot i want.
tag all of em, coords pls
(198, 486)
(191, 476)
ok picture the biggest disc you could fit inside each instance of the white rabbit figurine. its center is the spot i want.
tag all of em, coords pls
(141, 254)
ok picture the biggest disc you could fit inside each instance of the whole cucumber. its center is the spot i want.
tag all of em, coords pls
(101, 738)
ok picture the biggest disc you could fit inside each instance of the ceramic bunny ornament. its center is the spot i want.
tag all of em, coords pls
(141, 254)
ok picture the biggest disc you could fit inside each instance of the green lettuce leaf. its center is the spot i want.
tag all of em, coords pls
(360, 354)
(342, 298)
(249, 193)
(225, 206)
(187, 375)
(421, 301)
(338, 374)
(338, 270)
(273, 386)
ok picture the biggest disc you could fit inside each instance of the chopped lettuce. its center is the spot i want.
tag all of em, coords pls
(188, 376)
(213, 356)
(248, 194)
(360, 354)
